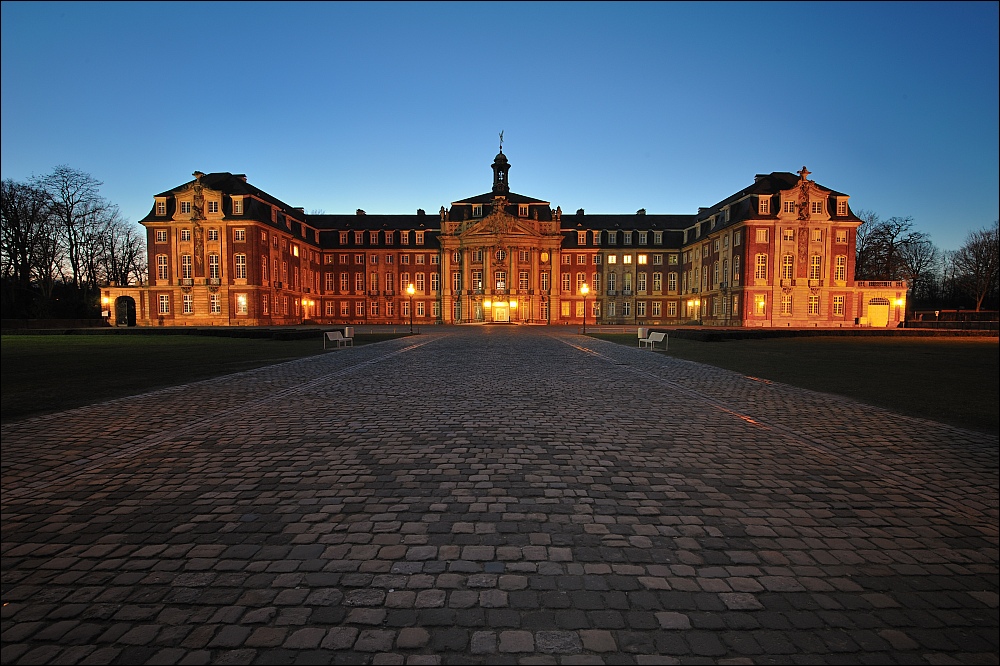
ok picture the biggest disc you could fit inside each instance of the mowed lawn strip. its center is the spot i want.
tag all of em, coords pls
(50, 373)
(951, 380)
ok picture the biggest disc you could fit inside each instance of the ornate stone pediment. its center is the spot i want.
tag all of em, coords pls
(496, 225)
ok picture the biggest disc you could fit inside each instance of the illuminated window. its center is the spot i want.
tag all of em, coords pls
(813, 304)
(760, 304)
(642, 259)
(815, 266)
(840, 268)
(786, 304)
(787, 266)
(760, 273)
(627, 259)
(838, 306)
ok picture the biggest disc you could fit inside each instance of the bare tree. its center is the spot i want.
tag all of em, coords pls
(124, 252)
(978, 262)
(25, 227)
(76, 204)
(917, 259)
(865, 247)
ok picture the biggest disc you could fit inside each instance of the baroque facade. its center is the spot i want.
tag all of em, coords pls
(780, 252)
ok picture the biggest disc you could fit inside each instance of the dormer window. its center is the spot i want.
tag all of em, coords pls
(764, 206)
(388, 237)
(477, 210)
(627, 237)
(841, 207)
(597, 237)
(643, 236)
(816, 207)
(161, 206)
(373, 237)
(612, 237)
(186, 207)
(237, 205)
(419, 240)
(657, 238)
(213, 207)
(581, 238)
(789, 207)
(343, 238)
(359, 238)
(522, 210)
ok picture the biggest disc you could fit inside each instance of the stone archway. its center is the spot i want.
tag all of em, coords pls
(124, 311)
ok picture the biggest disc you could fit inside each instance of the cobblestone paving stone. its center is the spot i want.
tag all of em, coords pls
(496, 495)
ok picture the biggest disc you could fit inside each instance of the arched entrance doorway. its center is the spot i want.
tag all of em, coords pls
(124, 311)
(878, 312)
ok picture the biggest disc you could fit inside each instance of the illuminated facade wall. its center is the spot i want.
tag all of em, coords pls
(778, 253)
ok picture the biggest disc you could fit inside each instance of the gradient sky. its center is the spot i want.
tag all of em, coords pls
(606, 107)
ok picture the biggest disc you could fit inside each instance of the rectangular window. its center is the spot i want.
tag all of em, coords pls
(500, 280)
(642, 237)
(657, 238)
(522, 210)
(786, 304)
(760, 304)
(239, 235)
(328, 281)
(627, 237)
(456, 281)
(641, 282)
(788, 234)
(345, 308)
(627, 309)
(840, 269)
(185, 234)
(186, 207)
(544, 280)
(359, 282)
(566, 280)
(435, 282)
(359, 238)
(656, 308)
(213, 206)
(736, 270)
(420, 258)
(188, 304)
(359, 308)
(838, 306)
(760, 272)
(345, 282)
(762, 235)
(814, 304)
(373, 308)
(737, 237)
(240, 263)
(764, 206)
(841, 208)
(817, 235)
(161, 235)
(612, 237)
(815, 207)
(522, 281)
(373, 237)
(213, 267)
(627, 259)
(841, 237)
(787, 266)
(162, 272)
(671, 282)
(330, 308)
(581, 238)
(672, 308)
(815, 266)
(477, 280)
(237, 205)
(641, 259)
(420, 309)
(581, 259)
(161, 207)
(164, 301)
(789, 207)
(419, 238)
(596, 235)
(186, 266)
(215, 303)
(524, 256)
(477, 210)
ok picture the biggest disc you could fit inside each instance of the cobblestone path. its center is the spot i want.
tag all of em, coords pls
(492, 494)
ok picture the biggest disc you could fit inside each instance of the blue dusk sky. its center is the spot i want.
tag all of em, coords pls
(606, 107)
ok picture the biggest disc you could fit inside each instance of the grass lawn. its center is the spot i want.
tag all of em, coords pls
(50, 373)
(951, 380)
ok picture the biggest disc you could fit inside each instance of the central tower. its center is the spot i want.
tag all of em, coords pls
(500, 169)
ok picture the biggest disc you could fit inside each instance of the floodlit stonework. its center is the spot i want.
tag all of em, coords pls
(779, 253)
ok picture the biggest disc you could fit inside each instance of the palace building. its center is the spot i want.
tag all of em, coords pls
(778, 253)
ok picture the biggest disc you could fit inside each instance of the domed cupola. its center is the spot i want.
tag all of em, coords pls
(500, 169)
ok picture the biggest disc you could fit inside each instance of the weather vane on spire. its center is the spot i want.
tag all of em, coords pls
(501, 141)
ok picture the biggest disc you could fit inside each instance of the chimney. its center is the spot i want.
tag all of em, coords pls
(241, 176)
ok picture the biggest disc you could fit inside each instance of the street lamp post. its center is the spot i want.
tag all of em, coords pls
(410, 291)
(584, 290)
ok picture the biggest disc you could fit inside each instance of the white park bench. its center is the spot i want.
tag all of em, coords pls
(337, 339)
(654, 337)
